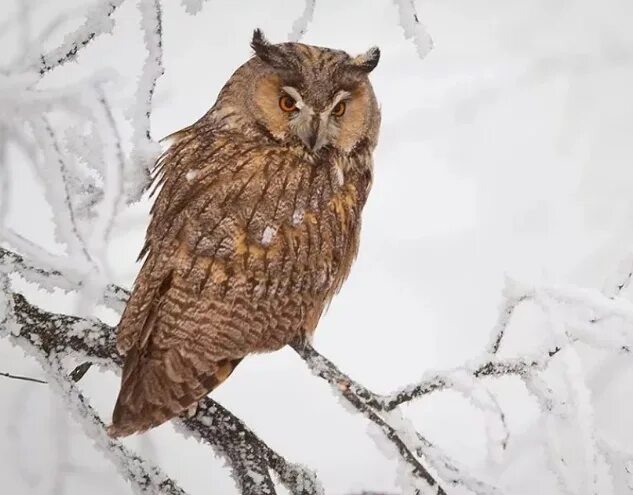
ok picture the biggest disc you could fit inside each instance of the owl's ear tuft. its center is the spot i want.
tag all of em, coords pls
(367, 61)
(259, 43)
(265, 50)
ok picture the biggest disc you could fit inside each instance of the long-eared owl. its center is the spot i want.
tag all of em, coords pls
(255, 226)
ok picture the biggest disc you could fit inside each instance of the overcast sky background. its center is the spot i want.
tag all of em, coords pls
(506, 152)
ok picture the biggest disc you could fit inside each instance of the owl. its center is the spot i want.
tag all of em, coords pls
(254, 229)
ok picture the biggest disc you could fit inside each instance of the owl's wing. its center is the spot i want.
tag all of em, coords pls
(193, 313)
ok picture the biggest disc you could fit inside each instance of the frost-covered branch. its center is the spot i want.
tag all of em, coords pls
(112, 296)
(300, 26)
(49, 338)
(98, 21)
(576, 315)
(146, 150)
(193, 7)
(437, 381)
(360, 398)
(407, 17)
(20, 377)
(91, 340)
(413, 28)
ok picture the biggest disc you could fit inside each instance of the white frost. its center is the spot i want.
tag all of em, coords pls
(145, 150)
(300, 26)
(413, 28)
(192, 7)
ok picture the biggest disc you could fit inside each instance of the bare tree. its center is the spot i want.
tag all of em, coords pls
(87, 182)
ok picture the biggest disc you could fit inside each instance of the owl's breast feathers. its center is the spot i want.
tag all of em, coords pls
(247, 244)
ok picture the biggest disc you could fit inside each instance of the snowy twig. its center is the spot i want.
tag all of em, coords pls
(56, 179)
(413, 28)
(357, 396)
(450, 470)
(193, 7)
(436, 381)
(113, 296)
(300, 26)
(113, 179)
(510, 302)
(20, 377)
(97, 22)
(217, 427)
(146, 150)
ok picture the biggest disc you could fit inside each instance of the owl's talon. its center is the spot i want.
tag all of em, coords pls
(343, 385)
(192, 410)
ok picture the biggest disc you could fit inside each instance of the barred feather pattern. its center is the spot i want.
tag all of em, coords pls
(247, 245)
(252, 231)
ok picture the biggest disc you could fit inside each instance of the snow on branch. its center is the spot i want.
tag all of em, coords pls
(79, 159)
(359, 398)
(193, 7)
(113, 296)
(564, 305)
(43, 334)
(49, 338)
(300, 26)
(98, 21)
(407, 17)
(413, 28)
(437, 381)
(146, 150)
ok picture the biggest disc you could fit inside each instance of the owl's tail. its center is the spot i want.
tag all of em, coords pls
(150, 396)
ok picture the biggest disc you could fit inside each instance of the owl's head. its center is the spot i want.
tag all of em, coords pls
(309, 96)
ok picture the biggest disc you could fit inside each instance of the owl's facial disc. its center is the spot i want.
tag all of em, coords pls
(315, 128)
(314, 97)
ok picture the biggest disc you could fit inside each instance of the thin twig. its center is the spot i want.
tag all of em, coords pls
(300, 26)
(325, 369)
(20, 377)
(99, 18)
(436, 381)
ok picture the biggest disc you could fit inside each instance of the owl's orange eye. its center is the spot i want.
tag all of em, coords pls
(339, 109)
(287, 104)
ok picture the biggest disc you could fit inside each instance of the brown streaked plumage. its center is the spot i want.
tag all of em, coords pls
(254, 229)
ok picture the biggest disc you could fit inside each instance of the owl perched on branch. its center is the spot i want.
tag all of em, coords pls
(254, 229)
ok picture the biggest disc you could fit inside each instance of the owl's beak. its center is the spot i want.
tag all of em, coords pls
(311, 135)
(311, 128)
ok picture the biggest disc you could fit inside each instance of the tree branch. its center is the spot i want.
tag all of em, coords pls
(361, 399)
(92, 340)
(97, 23)
(20, 377)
